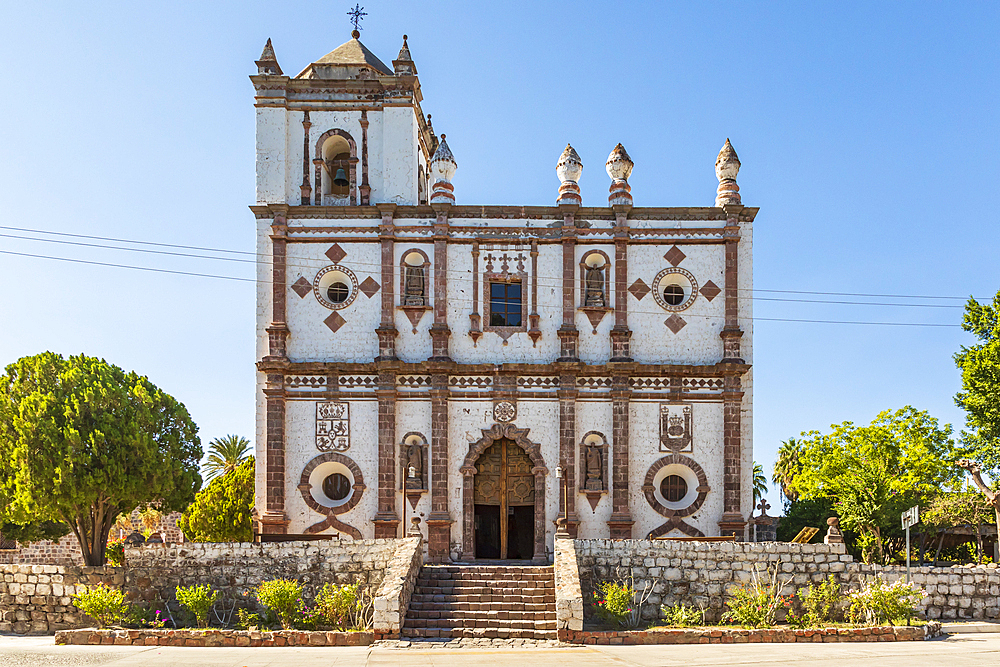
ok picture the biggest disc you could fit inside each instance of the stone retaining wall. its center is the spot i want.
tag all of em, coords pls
(701, 574)
(35, 599)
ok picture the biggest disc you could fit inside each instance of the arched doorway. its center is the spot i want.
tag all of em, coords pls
(504, 502)
(512, 482)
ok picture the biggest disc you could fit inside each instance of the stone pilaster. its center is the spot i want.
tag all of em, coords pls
(306, 188)
(620, 524)
(439, 522)
(365, 188)
(277, 331)
(439, 330)
(567, 451)
(273, 519)
(387, 327)
(386, 520)
(621, 335)
(732, 522)
(568, 334)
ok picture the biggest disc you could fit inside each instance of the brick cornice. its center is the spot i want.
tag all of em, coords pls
(577, 368)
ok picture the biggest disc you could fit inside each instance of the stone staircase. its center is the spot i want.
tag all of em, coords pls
(482, 601)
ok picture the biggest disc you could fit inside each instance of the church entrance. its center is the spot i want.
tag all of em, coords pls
(504, 502)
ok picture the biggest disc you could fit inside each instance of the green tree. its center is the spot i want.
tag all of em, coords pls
(81, 441)
(759, 482)
(787, 466)
(221, 511)
(980, 398)
(34, 531)
(875, 472)
(980, 394)
(225, 455)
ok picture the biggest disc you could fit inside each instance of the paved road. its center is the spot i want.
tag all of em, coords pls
(963, 650)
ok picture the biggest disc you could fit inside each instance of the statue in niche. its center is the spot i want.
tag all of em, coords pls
(413, 286)
(593, 283)
(414, 467)
(595, 469)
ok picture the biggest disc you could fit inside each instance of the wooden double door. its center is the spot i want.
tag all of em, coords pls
(504, 501)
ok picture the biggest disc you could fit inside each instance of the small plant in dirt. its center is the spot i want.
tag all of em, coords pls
(820, 603)
(198, 600)
(878, 603)
(283, 597)
(613, 602)
(104, 604)
(681, 615)
(756, 604)
(338, 605)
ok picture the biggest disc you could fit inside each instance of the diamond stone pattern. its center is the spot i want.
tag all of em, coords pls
(639, 289)
(370, 287)
(302, 287)
(674, 256)
(336, 253)
(675, 323)
(710, 290)
(334, 321)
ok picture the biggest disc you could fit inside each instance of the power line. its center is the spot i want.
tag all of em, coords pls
(455, 272)
(469, 301)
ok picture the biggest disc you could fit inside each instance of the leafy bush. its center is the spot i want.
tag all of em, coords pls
(221, 512)
(613, 602)
(283, 597)
(337, 605)
(115, 553)
(198, 600)
(681, 615)
(756, 604)
(102, 603)
(820, 602)
(878, 603)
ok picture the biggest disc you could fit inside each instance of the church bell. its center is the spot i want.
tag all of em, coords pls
(340, 180)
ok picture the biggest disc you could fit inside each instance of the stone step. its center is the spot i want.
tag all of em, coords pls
(479, 623)
(502, 633)
(485, 590)
(548, 598)
(515, 605)
(494, 616)
(487, 581)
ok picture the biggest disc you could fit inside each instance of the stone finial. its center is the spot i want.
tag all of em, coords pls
(833, 534)
(619, 168)
(569, 169)
(403, 64)
(268, 64)
(727, 166)
(443, 168)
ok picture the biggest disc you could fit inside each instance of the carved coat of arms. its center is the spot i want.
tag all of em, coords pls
(676, 432)
(333, 433)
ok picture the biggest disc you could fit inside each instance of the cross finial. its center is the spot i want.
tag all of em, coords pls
(357, 14)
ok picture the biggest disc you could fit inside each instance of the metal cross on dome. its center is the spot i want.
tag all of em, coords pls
(357, 14)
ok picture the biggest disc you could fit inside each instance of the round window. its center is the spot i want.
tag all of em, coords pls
(337, 292)
(336, 486)
(673, 295)
(673, 488)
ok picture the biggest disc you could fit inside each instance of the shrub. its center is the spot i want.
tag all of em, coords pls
(143, 616)
(337, 605)
(283, 597)
(198, 600)
(756, 604)
(820, 602)
(878, 603)
(102, 603)
(681, 615)
(115, 553)
(613, 602)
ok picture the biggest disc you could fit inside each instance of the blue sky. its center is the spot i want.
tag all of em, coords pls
(866, 131)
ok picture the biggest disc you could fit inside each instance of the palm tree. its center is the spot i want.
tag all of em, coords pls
(225, 455)
(787, 467)
(759, 482)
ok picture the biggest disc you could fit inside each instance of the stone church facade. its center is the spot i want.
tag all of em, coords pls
(489, 370)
